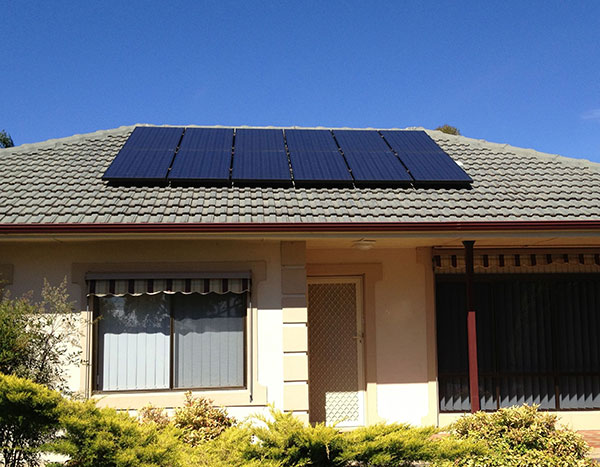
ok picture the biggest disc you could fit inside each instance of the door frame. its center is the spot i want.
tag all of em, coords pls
(360, 339)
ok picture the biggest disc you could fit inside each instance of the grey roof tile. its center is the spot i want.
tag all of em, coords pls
(59, 181)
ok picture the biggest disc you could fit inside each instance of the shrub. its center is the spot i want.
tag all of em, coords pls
(198, 420)
(39, 339)
(285, 439)
(29, 415)
(521, 436)
(103, 437)
(400, 444)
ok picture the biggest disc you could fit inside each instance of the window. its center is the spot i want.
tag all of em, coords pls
(536, 341)
(170, 341)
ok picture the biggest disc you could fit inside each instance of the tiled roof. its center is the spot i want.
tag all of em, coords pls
(59, 181)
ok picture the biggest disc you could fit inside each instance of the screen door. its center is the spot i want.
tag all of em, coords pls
(335, 348)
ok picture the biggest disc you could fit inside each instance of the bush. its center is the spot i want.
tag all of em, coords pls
(29, 415)
(283, 440)
(521, 436)
(103, 437)
(198, 420)
(398, 444)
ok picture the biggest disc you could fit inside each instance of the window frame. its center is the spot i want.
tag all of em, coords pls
(96, 370)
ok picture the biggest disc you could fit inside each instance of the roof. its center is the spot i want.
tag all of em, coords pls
(59, 182)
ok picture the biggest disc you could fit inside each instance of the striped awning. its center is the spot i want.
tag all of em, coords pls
(135, 287)
(514, 263)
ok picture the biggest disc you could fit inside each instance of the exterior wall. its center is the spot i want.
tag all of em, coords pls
(399, 316)
(27, 264)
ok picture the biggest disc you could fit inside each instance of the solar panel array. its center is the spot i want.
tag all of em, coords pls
(277, 157)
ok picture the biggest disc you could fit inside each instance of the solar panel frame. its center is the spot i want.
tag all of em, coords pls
(263, 140)
(316, 159)
(156, 138)
(370, 159)
(360, 140)
(261, 167)
(260, 157)
(204, 156)
(310, 140)
(426, 161)
(207, 139)
(146, 156)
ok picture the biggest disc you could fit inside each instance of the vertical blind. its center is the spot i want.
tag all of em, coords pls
(209, 346)
(161, 334)
(537, 338)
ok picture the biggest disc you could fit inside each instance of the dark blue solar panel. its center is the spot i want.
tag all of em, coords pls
(310, 140)
(251, 140)
(361, 141)
(147, 155)
(425, 160)
(259, 156)
(157, 138)
(207, 139)
(315, 157)
(204, 155)
(370, 158)
(261, 166)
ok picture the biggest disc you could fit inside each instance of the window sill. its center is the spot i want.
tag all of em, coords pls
(170, 398)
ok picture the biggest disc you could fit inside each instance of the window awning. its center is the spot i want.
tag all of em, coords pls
(102, 287)
(514, 263)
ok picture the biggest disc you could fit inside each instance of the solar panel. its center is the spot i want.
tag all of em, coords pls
(259, 156)
(425, 160)
(204, 156)
(146, 155)
(370, 158)
(315, 157)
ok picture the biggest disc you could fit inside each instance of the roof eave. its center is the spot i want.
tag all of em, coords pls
(293, 227)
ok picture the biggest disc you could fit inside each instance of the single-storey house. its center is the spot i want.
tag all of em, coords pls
(355, 289)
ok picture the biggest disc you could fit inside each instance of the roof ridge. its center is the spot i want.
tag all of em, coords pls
(505, 147)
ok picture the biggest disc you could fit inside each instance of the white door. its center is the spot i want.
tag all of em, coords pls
(336, 384)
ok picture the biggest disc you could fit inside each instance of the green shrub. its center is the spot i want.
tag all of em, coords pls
(200, 420)
(29, 415)
(103, 437)
(285, 439)
(399, 444)
(521, 436)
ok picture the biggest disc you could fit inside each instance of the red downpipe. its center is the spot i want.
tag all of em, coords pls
(471, 328)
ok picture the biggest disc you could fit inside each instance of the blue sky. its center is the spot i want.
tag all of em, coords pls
(523, 73)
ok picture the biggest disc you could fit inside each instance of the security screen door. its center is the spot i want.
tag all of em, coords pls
(335, 348)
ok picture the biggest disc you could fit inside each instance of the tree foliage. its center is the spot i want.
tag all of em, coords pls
(29, 417)
(39, 339)
(5, 140)
(451, 130)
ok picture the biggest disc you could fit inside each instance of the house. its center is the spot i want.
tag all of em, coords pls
(349, 302)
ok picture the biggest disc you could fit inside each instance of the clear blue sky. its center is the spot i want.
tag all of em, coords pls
(522, 72)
